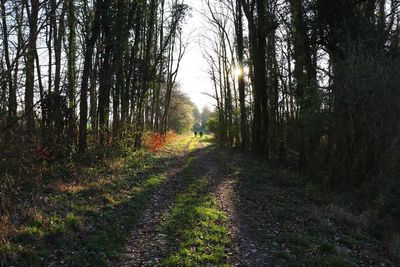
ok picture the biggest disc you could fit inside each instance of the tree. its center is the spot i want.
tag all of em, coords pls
(306, 91)
(88, 57)
(259, 27)
(181, 114)
(128, 68)
(212, 123)
(12, 93)
(245, 142)
(33, 11)
(72, 72)
(305, 78)
(205, 114)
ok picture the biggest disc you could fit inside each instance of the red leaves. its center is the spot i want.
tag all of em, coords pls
(156, 141)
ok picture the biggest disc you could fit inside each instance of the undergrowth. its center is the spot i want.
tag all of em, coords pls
(77, 212)
(301, 222)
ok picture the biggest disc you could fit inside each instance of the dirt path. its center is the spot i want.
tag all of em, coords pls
(147, 245)
(245, 250)
(266, 224)
(275, 221)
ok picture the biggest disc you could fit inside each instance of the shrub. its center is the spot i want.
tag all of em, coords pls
(155, 141)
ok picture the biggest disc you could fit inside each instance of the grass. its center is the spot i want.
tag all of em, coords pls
(298, 222)
(196, 228)
(85, 222)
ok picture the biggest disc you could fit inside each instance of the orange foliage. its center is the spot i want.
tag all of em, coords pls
(156, 141)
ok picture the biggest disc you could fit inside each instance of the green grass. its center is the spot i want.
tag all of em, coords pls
(88, 226)
(196, 228)
(281, 199)
(207, 139)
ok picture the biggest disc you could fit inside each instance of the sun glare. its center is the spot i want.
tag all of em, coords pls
(238, 72)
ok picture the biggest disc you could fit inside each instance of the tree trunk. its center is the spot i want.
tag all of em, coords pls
(12, 94)
(241, 82)
(71, 73)
(88, 57)
(30, 66)
(105, 74)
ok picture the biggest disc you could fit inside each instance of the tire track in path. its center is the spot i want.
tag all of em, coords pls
(146, 245)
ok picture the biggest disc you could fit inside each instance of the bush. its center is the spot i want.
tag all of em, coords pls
(155, 141)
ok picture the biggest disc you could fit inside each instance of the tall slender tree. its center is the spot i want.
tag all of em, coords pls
(33, 13)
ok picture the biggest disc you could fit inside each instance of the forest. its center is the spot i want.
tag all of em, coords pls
(298, 164)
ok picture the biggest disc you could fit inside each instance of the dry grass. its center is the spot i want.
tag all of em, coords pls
(64, 187)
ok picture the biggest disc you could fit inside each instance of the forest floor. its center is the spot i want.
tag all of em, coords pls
(190, 204)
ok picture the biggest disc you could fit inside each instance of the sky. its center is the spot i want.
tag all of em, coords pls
(192, 75)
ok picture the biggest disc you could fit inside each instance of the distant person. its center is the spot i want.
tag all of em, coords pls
(195, 134)
(201, 134)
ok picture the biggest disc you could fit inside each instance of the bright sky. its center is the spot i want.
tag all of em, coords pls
(192, 75)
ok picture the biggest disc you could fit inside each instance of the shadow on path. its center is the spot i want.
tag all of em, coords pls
(147, 245)
(193, 220)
